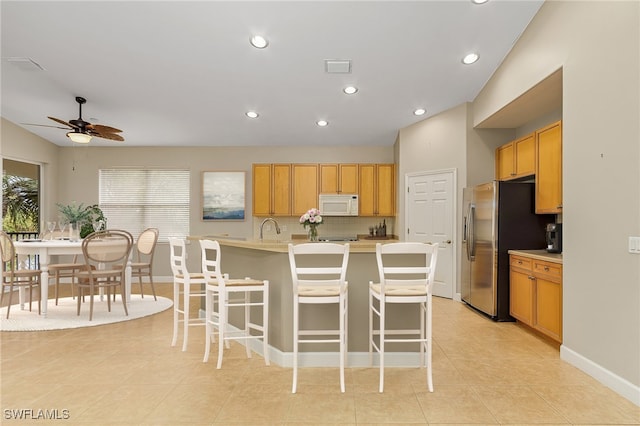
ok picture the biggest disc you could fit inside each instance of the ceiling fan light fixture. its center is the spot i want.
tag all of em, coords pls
(79, 137)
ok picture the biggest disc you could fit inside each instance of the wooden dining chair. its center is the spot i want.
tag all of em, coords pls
(102, 252)
(63, 272)
(142, 266)
(12, 276)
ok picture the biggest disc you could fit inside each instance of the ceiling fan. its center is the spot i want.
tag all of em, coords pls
(82, 131)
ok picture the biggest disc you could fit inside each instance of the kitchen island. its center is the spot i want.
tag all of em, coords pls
(269, 260)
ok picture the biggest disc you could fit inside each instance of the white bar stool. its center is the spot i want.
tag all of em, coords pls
(231, 293)
(406, 272)
(318, 273)
(184, 279)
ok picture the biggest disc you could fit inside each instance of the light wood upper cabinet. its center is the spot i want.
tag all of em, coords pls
(305, 187)
(516, 159)
(536, 294)
(377, 190)
(292, 189)
(504, 162)
(338, 178)
(271, 189)
(549, 169)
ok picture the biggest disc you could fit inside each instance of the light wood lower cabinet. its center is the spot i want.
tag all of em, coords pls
(536, 294)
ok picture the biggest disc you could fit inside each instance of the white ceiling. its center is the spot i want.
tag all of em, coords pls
(177, 73)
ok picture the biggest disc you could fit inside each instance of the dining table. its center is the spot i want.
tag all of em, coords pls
(45, 249)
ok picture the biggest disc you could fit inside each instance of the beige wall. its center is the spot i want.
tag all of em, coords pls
(18, 144)
(76, 175)
(597, 44)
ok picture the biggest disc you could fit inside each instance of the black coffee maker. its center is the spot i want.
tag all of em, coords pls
(554, 238)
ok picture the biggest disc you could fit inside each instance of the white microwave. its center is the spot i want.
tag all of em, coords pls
(338, 204)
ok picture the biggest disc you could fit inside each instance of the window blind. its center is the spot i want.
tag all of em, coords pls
(136, 199)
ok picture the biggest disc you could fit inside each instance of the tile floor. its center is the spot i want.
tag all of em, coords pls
(127, 373)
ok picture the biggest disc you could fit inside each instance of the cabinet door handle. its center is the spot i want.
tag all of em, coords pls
(531, 277)
(559, 207)
(546, 268)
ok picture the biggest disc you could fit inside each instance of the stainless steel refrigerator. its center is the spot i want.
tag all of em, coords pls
(498, 217)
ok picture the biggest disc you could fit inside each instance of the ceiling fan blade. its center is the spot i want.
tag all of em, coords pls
(57, 120)
(46, 125)
(103, 129)
(110, 136)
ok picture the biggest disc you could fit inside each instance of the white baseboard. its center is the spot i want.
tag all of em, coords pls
(604, 376)
(331, 359)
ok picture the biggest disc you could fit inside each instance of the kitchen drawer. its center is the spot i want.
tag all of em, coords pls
(521, 262)
(552, 271)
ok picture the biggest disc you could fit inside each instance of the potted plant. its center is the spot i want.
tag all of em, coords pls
(82, 218)
(95, 222)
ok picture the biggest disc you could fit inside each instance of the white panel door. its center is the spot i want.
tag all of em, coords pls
(430, 218)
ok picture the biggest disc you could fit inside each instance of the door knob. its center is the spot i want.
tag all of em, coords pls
(447, 242)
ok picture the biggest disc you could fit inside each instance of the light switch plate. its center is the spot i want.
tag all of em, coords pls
(634, 245)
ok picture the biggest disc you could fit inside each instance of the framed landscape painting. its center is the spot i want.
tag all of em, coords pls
(223, 195)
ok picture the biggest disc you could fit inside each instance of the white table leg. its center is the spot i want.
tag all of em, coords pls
(127, 282)
(44, 287)
(21, 298)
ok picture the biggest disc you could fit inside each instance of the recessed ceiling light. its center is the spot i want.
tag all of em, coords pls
(470, 58)
(251, 114)
(479, 1)
(419, 111)
(322, 123)
(350, 90)
(258, 42)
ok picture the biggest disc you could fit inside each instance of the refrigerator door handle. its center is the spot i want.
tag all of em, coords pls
(465, 232)
(471, 244)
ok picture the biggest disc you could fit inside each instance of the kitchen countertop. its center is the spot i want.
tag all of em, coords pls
(539, 254)
(281, 246)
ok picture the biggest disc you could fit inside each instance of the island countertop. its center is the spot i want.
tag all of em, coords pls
(280, 246)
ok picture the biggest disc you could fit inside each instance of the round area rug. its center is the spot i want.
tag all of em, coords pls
(64, 314)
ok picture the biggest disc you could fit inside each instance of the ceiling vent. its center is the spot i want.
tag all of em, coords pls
(337, 66)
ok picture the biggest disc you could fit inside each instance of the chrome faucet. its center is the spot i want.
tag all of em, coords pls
(269, 219)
